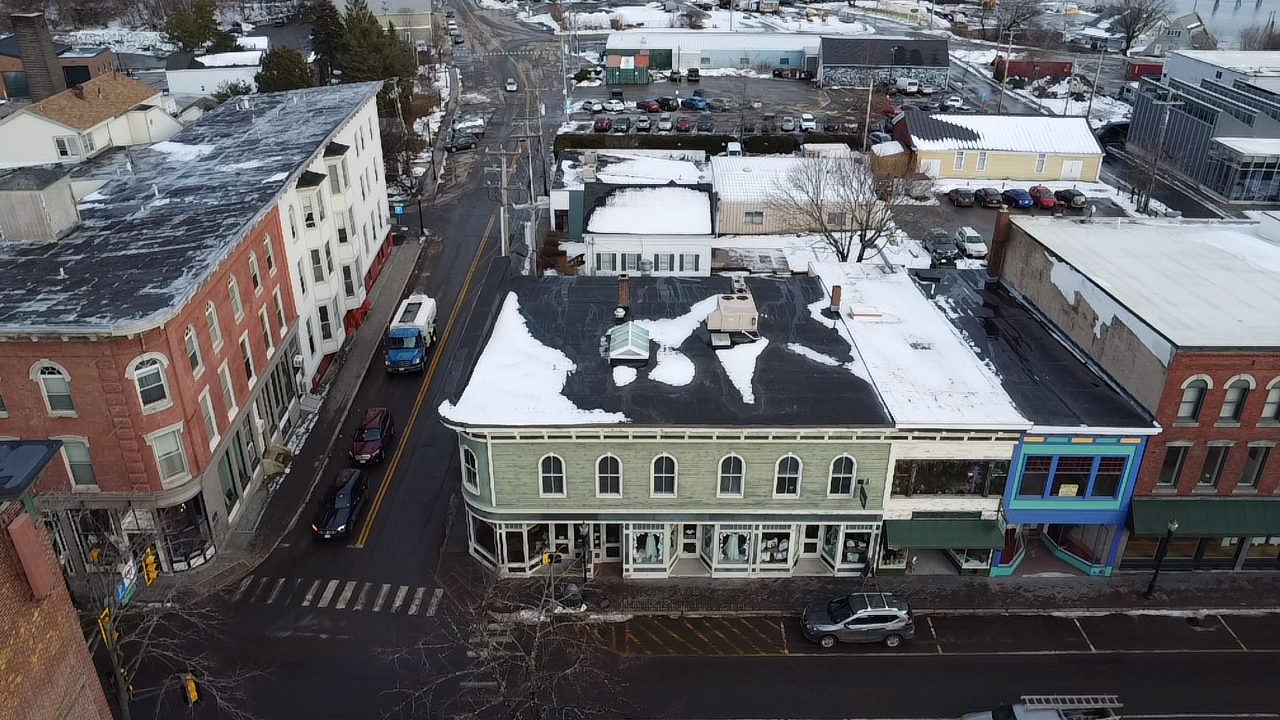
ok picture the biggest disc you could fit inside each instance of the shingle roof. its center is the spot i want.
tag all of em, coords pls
(104, 97)
(35, 177)
(1007, 133)
(152, 237)
(885, 51)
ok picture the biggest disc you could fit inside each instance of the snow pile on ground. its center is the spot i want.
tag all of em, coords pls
(651, 16)
(542, 19)
(518, 380)
(980, 58)
(496, 4)
(673, 367)
(1105, 109)
(740, 365)
(473, 98)
(182, 152)
(684, 211)
(120, 40)
(588, 83)
(592, 20)
(733, 72)
(831, 26)
(441, 81)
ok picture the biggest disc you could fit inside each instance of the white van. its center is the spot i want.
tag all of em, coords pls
(733, 149)
(971, 243)
(907, 86)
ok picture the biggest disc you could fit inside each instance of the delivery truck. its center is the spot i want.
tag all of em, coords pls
(412, 330)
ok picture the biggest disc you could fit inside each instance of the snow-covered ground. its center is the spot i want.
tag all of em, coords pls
(541, 19)
(120, 40)
(1105, 109)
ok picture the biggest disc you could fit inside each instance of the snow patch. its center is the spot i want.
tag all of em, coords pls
(1075, 287)
(518, 381)
(182, 152)
(542, 19)
(813, 355)
(246, 58)
(740, 365)
(276, 178)
(473, 98)
(623, 375)
(673, 368)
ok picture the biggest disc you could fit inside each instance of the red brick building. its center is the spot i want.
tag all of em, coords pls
(154, 331)
(47, 671)
(72, 65)
(1183, 316)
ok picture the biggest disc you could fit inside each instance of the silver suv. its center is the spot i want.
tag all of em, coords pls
(859, 618)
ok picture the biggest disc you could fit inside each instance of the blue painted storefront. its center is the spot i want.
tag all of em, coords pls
(1071, 493)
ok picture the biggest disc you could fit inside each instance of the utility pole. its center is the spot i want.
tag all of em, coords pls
(502, 188)
(1144, 203)
(1096, 76)
(1004, 77)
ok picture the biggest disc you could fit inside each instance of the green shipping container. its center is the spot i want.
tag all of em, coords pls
(626, 76)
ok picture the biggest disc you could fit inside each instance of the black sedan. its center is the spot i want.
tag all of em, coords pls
(460, 141)
(341, 504)
(988, 197)
(961, 197)
(1071, 198)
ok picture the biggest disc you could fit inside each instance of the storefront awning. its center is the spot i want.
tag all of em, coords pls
(944, 533)
(1207, 516)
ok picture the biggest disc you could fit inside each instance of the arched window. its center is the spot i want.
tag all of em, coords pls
(551, 470)
(732, 472)
(55, 386)
(233, 292)
(1271, 408)
(211, 321)
(608, 476)
(470, 475)
(193, 350)
(1233, 404)
(665, 476)
(148, 375)
(843, 470)
(787, 478)
(1192, 399)
(255, 278)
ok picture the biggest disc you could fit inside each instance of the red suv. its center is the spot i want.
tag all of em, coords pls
(602, 124)
(1043, 196)
(373, 437)
(683, 124)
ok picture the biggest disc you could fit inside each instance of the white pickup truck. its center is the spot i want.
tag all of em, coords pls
(1055, 707)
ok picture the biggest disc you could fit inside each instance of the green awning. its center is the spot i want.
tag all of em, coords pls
(1207, 516)
(944, 533)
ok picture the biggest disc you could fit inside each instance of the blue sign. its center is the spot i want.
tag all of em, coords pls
(984, 96)
(399, 210)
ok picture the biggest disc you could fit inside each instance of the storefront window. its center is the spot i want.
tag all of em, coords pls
(184, 529)
(831, 543)
(775, 547)
(855, 547)
(484, 539)
(515, 549)
(950, 477)
(1263, 552)
(647, 547)
(101, 545)
(735, 545)
(230, 493)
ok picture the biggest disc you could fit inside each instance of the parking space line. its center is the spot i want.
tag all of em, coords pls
(306, 601)
(1233, 632)
(750, 645)
(1084, 635)
(682, 640)
(782, 633)
(244, 585)
(275, 592)
(655, 638)
(934, 633)
(382, 597)
(756, 630)
(327, 595)
(704, 638)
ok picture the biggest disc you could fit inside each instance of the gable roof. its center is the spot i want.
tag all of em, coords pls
(33, 177)
(885, 51)
(104, 97)
(1007, 133)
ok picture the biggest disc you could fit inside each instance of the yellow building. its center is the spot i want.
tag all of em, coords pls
(1033, 148)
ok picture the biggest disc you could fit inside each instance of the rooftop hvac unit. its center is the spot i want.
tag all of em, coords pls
(734, 313)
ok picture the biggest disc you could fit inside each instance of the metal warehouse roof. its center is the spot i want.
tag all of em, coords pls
(1007, 133)
(700, 40)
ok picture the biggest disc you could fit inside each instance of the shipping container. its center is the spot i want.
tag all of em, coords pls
(1032, 69)
(626, 76)
(1137, 69)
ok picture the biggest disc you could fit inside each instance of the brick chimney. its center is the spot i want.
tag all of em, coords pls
(39, 58)
(835, 300)
(999, 241)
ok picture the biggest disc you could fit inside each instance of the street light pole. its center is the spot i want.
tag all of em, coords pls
(871, 88)
(1160, 553)
(1096, 76)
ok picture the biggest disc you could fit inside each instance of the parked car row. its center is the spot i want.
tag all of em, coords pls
(623, 124)
(343, 501)
(1038, 196)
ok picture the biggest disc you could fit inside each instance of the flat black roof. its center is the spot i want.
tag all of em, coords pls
(572, 315)
(1048, 382)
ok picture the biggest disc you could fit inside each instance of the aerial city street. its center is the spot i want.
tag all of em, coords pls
(718, 359)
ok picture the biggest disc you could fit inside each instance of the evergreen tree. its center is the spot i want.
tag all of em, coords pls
(362, 55)
(284, 69)
(222, 42)
(191, 29)
(228, 90)
(327, 33)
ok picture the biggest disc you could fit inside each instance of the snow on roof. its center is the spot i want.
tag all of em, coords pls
(751, 179)
(518, 381)
(885, 149)
(1251, 146)
(243, 58)
(1247, 62)
(653, 211)
(692, 40)
(1196, 284)
(159, 231)
(650, 171)
(1006, 133)
(798, 250)
(927, 374)
(254, 42)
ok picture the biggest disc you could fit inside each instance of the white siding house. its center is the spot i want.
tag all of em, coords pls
(204, 74)
(650, 230)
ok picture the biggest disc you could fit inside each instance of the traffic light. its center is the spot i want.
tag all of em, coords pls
(548, 558)
(190, 690)
(150, 569)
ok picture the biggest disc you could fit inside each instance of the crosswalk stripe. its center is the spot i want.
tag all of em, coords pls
(275, 591)
(292, 589)
(244, 585)
(363, 596)
(327, 595)
(257, 591)
(306, 602)
(395, 604)
(417, 601)
(346, 595)
(382, 597)
(435, 601)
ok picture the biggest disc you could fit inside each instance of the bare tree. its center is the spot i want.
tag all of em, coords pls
(510, 649)
(1012, 15)
(1135, 18)
(1263, 36)
(841, 200)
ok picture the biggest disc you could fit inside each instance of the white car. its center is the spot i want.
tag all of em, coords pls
(614, 106)
(664, 123)
(807, 122)
(511, 85)
(955, 101)
(970, 242)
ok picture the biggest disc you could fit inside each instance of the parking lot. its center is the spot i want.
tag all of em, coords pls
(916, 220)
(958, 635)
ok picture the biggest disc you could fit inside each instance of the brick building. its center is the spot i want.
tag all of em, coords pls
(47, 669)
(1182, 316)
(154, 331)
(56, 66)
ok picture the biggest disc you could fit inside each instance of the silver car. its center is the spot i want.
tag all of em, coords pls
(859, 618)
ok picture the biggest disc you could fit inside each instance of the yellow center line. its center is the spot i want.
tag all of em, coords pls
(422, 393)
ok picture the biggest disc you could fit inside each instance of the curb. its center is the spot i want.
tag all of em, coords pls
(624, 614)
